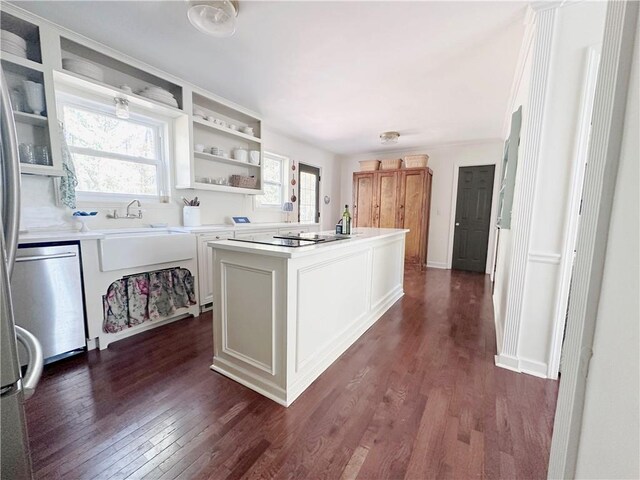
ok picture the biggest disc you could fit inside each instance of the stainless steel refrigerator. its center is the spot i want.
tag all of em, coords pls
(14, 388)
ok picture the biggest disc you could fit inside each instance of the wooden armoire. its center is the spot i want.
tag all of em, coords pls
(396, 199)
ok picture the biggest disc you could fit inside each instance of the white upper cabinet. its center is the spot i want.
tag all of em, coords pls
(215, 144)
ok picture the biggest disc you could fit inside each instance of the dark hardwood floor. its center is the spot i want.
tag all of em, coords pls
(417, 397)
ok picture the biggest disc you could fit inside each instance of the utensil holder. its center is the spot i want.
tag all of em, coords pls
(191, 216)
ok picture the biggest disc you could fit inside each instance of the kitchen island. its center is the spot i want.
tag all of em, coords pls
(283, 315)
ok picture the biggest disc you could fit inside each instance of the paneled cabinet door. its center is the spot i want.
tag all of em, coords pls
(363, 199)
(386, 199)
(412, 213)
(205, 265)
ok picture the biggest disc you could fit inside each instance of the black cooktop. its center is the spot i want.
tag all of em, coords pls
(313, 237)
(277, 242)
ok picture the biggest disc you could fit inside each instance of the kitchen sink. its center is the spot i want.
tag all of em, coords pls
(134, 248)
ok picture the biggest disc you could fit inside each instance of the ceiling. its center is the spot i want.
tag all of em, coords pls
(334, 74)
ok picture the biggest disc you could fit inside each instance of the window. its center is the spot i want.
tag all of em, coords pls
(274, 181)
(114, 157)
(309, 210)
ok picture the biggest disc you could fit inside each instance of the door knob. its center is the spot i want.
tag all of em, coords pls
(457, 224)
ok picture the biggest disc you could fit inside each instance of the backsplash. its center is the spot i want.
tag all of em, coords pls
(39, 209)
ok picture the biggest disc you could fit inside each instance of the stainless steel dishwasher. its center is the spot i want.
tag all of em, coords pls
(46, 287)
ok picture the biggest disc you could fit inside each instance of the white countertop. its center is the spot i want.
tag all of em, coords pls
(361, 235)
(46, 236)
(61, 236)
(247, 226)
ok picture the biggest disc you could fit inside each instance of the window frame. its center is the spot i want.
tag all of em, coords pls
(161, 130)
(284, 165)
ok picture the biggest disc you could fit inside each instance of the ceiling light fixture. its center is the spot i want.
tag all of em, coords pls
(122, 107)
(389, 138)
(215, 18)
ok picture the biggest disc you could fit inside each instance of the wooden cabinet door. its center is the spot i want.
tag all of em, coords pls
(363, 199)
(386, 199)
(412, 213)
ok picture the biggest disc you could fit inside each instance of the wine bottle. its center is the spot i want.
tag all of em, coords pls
(346, 221)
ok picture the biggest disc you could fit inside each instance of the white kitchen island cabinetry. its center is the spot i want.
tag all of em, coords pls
(205, 264)
(212, 234)
(283, 315)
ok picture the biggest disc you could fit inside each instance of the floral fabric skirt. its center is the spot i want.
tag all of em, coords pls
(147, 296)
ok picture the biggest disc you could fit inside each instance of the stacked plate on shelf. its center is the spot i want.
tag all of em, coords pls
(159, 95)
(14, 44)
(219, 152)
(84, 68)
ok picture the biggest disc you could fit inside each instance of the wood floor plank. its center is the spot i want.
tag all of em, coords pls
(417, 397)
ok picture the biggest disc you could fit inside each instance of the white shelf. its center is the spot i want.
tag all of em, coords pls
(74, 80)
(226, 130)
(34, 169)
(23, 62)
(30, 118)
(221, 188)
(217, 158)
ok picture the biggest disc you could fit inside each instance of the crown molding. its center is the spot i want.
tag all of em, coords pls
(425, 147)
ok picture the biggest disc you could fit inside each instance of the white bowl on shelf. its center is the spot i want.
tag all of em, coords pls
(84, 68)
(159, 95)
(167, 101)
(12, 38)
(14, 50)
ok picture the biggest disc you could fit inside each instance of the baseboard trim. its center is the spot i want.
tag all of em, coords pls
(508, 362)
(441, 265)
(532, 367)
(522, 365)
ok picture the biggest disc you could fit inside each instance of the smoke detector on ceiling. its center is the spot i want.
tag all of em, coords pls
(216, 18)
(389, 138)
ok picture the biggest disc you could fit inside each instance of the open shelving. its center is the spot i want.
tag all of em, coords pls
(228, 131)
(74, 80)
(204, 166)
(22, 62)
(26, 30)
(224, 188)
(34, 129)
(117, 73)
(218, 158)
(47, 47)
(30, 118)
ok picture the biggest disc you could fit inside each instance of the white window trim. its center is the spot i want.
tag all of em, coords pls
(160, 125)
(285, 161)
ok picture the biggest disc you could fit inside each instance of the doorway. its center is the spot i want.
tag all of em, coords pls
(309, 206)
(473, 218)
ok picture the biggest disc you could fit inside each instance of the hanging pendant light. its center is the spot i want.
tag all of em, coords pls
(215, 18)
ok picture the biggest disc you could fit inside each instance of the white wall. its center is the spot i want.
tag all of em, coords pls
(444, 160)
(610, 435)
(578, 27)
(40, 211)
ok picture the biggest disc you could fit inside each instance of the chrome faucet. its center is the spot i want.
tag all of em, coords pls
(128, 214)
